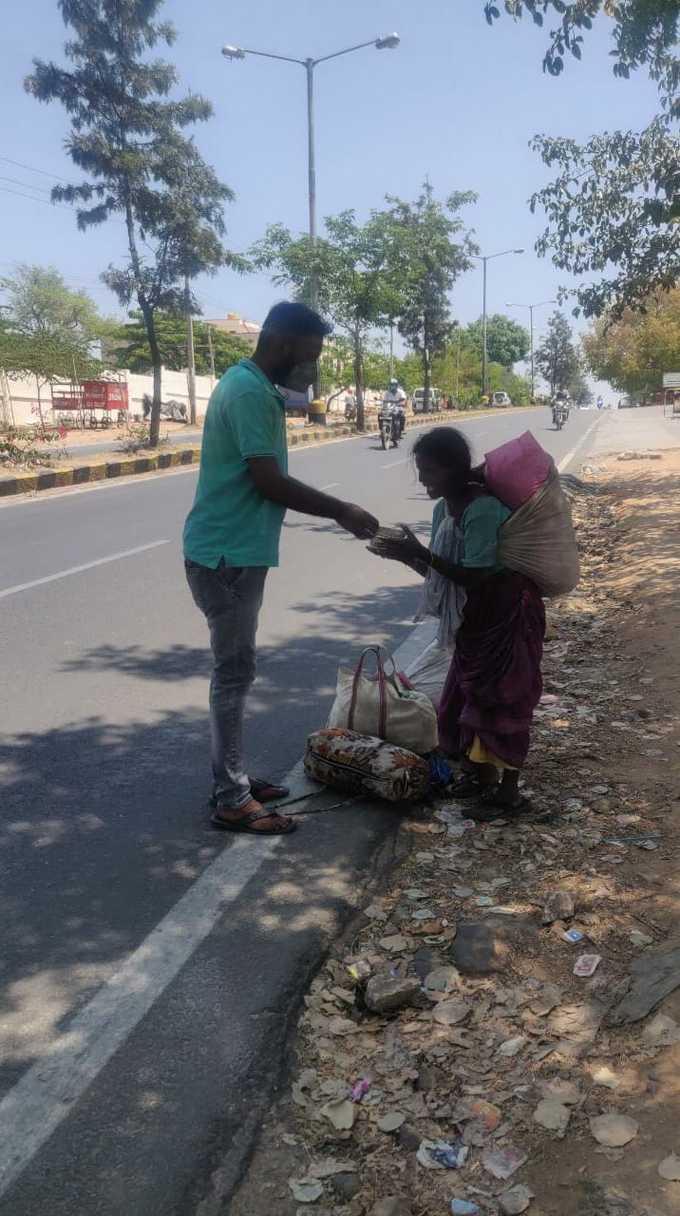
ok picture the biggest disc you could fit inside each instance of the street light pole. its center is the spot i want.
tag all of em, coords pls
(484, 258)
(531, 307)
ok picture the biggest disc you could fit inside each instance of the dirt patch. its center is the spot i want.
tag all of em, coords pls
(525, 1057)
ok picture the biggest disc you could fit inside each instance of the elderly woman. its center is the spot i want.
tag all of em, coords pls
(494, 682)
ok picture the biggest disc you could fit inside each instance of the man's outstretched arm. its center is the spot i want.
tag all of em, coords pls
(296, 496)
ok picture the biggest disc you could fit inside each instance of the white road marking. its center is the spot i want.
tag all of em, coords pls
(566, 460)
(100, 561)
(331, 485)
(394, 464)
(45, 1095)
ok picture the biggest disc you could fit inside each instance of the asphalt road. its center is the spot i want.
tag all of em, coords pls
(150, 969)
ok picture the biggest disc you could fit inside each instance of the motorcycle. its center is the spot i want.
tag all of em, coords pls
(389, 428)
(560, 415)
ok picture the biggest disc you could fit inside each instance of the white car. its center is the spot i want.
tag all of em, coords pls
(500, 398)
(419, 400)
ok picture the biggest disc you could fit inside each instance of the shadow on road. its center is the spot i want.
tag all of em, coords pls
(102, 823)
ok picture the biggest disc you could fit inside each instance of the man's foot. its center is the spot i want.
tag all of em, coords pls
(261, 790)
(267, 791)
(251, 819)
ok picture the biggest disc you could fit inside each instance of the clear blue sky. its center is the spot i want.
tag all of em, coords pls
(458, 101)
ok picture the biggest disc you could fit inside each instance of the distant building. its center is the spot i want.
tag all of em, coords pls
(237, 326)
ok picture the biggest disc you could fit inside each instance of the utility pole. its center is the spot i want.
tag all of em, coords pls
(391, 349)
(531, 307)
(211, 353)
(484, 328)
(484, 258)
(191, 356)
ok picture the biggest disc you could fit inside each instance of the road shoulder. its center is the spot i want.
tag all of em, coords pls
(527, 1055)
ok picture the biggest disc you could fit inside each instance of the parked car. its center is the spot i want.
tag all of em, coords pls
(500, 398)
(419, 404)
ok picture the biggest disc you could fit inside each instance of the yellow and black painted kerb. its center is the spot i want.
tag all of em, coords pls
(102, 470)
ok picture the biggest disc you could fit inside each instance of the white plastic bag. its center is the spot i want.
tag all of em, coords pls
(538, 540)
(384, 706)
(427, 673)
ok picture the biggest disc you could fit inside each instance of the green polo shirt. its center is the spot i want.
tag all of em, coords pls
(230, 519)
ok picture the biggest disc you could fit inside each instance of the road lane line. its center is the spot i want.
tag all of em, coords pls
(566, 460)
(101, 561)
(46, 1094)
(331, 485)
(394, 464)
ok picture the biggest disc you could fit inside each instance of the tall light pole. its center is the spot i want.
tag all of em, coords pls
(389, 42)
(484, 258)
(531, 307)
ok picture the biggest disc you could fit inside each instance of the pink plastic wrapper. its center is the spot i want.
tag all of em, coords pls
(517, 469)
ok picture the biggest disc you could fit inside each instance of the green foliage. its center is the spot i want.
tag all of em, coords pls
(457, 372)
(40, 305)
(350, 265)
(429, 249)
(633, 351)
(127, 136)
(506, 341)
(644, 33)
(557, 358)
(130, 345)
(615, 203)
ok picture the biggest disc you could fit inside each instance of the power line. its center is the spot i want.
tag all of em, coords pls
(15, 181)
(32, 197)
(32, 169)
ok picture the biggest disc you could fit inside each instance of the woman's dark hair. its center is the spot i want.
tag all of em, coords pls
(447, 447)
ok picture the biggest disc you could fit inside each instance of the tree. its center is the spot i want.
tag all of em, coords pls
(40, 305)
(633, 351)
(507, 342)
(616, 198)
(429, 249)
(644, 33)
(130, 345)
(579, 390)
(127, 137)
(351, 266)
(615, 202)
(49, 331)
(557, 358)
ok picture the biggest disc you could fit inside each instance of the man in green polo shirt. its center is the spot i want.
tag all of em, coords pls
(231, 538)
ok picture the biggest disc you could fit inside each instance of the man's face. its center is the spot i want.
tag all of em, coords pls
(296, 362)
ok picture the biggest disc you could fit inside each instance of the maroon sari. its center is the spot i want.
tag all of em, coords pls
(494, 682)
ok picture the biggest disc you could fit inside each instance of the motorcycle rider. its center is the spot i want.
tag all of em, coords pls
(395, 400)
(560, 406)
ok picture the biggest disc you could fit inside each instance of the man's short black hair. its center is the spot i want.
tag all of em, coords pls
(292, 319)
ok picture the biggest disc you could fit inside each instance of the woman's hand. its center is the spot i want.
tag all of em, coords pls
(407, 550)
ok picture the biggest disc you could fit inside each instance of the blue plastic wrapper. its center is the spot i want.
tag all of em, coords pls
(441, 773)
(464, 1207)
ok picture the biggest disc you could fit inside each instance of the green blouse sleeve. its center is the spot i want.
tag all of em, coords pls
(481, 522)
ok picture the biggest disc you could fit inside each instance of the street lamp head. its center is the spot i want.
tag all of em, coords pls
(389, 43)
(233, 52)
(519, 251)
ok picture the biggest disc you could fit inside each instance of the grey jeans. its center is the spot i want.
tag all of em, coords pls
(230, 597)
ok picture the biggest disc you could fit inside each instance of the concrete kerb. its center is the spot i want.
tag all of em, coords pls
(101, 470)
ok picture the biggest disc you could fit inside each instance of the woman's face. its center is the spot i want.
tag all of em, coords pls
(439, 480)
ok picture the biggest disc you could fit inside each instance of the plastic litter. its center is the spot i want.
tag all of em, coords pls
(442, 1154)
(464, 1207)
(515, 1201)
(573, 936)
(360, 1089)
(392, 1121)
(340, 1113)
(587, 964)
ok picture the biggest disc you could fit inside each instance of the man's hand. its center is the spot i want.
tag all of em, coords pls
(357, 521)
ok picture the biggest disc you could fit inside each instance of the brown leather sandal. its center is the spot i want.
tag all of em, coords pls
(282, 827)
